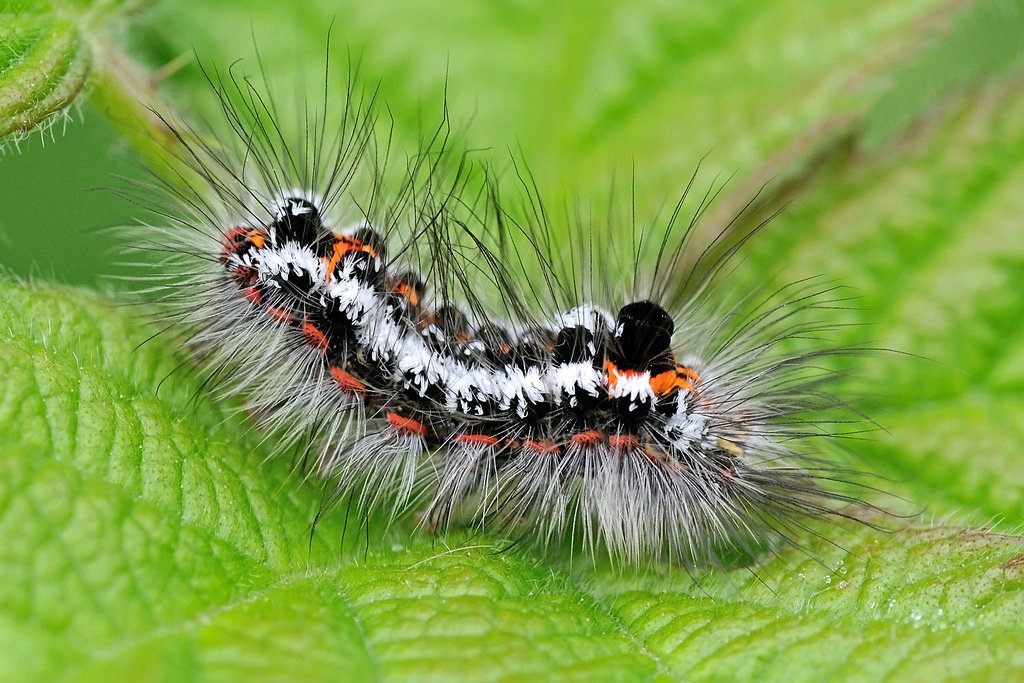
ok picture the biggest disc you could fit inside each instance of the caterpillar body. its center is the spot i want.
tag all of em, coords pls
(345, 303)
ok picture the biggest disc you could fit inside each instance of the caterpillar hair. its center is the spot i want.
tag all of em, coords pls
(436, 342)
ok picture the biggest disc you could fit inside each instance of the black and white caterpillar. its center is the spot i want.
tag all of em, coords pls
(345, 301)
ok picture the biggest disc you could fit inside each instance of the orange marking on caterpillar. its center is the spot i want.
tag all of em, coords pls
(546, 447)
(482, 440)
(280, 315)
(338, 249)
(654, 454)
(406, 426)
(342, 246)
(230, 243)
(624, 442)
(253, 295)
(587, 439)
(236, 238)
(614, 374)
(356, 245)
(314, 337)
(409, 292)
(681, 377)
(244, 277)
(347, 383)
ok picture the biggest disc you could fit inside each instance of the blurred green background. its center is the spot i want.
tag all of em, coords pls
(587, 91)
(56, 196)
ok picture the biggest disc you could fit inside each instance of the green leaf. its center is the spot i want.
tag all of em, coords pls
(44, 64)
(144, 533)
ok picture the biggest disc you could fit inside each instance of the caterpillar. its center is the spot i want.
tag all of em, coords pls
(434, 347)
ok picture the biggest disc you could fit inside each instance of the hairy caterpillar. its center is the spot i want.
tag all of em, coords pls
(436, 348)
